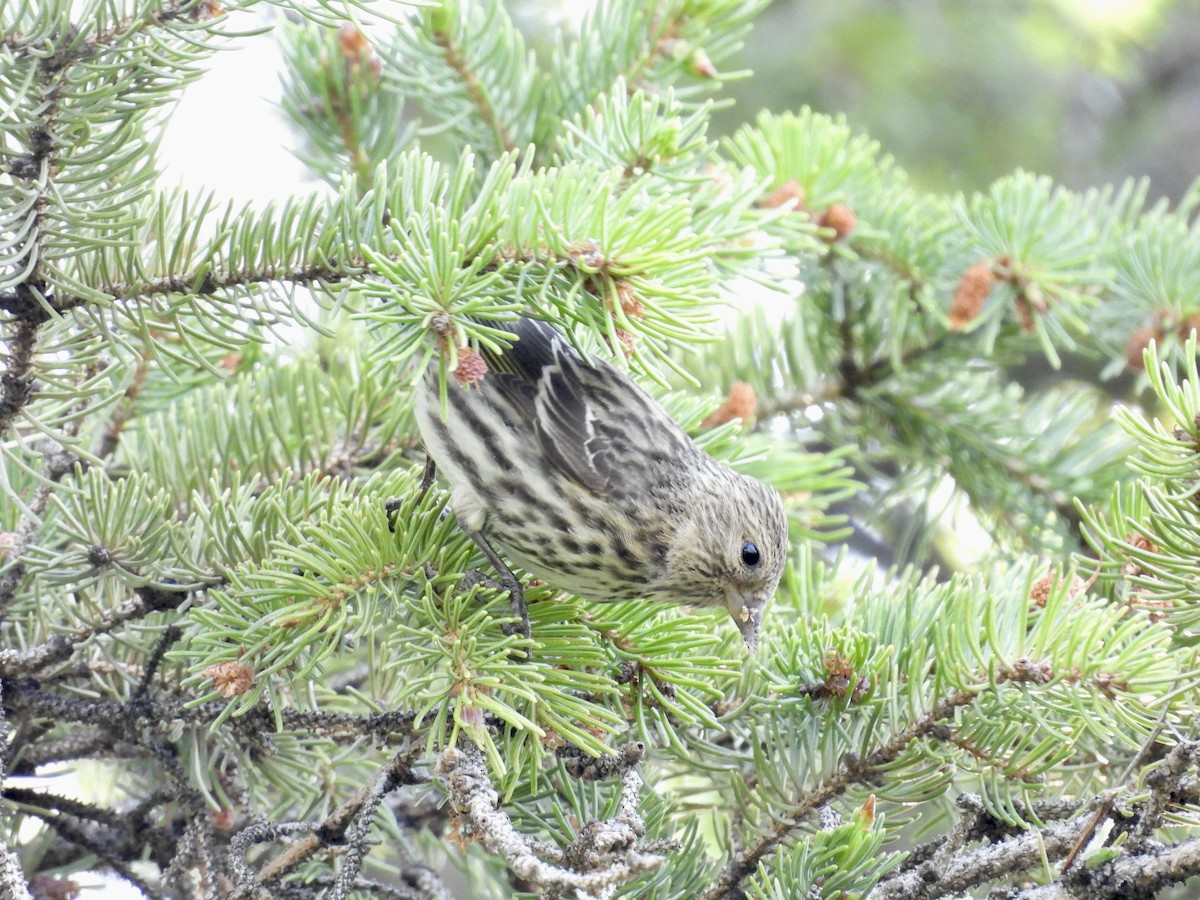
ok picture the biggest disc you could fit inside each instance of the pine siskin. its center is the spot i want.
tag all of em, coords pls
(582, 479)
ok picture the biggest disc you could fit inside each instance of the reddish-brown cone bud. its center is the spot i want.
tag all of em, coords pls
(471, 367)
(790, 194)
(1041, 589)
(53, 887)
(969, 296)
(702, 66)
(231, 679)
(1024, 314)
(586, 255)
(740, 404)
(352, 42)
(866, 812)
(1132, 567)
(630, 304)
(357, 50)
(628, 342)
(1048, 583)
(1189, 324)
(1136, 346)
(840, 218)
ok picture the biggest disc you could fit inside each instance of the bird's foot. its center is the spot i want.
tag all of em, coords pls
(391, 508)
(516, 598)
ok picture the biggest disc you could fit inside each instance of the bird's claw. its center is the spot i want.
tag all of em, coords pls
(516, 599)
(516, 602)
(390, 509)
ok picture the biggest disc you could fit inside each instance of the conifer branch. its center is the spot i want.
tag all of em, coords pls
(604, 857)
(114, 851)
(455, 59)
(212, 282)
(663, 29)
(12, 878)
(125, 408)
(146, 600)
(119, 30)
(124, 720)
(858, 770)
(949, 869)
(333, 830)
(56, 463)
(1135, 875)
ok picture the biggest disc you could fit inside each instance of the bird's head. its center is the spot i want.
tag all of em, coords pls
(730, 549)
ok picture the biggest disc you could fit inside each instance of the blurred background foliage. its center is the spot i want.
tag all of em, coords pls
(1085, 91)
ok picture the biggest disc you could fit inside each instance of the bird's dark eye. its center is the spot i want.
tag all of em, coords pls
(750, 555)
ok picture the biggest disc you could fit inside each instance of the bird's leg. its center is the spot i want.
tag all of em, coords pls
(508, 582)
(393, 506)
(427, 478)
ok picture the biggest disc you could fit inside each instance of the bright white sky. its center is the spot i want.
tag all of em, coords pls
(228, 134)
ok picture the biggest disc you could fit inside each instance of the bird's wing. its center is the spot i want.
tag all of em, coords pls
(593, 423)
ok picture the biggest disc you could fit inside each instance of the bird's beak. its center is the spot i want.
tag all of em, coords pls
(747, 615)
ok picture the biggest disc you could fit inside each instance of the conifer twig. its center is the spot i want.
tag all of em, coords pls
(605, 856)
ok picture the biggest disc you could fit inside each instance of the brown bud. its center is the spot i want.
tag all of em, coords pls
(231, 361)
(458, 835)
(53, 887)
(1132, 567)
(969, 296)
(840, 674)
(1026, 670)
(8, 540)
(209, 9)
(835, 663)
(352, 42)
(1024, 314)
(866, 812)
(1041, 589)
(471, 367)
(1141, 542)
(231, 679)
(790, 194)
(630, 304)
(586, 255)
(1136, 346)
(702, 66)
(1189, 324)
(1108, 684)
(840, 218)
(356, 50)
(628, 342)
(740, 404)
(1048, 583)
(1156, 610)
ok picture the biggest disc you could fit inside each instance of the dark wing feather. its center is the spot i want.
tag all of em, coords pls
(592, 422)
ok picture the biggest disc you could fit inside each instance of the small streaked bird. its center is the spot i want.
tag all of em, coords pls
(581, 478)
